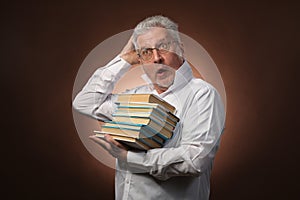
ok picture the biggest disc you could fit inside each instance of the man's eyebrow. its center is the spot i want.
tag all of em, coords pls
(157, 43)
(162, 41)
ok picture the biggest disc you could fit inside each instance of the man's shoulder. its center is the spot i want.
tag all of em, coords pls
(202, 85)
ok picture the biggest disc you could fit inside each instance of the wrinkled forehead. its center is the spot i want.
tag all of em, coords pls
(153, 36)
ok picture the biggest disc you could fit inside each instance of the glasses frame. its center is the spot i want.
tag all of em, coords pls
(159, 49)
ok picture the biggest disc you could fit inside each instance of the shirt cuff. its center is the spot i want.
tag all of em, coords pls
(135, 162)
(135, 157)
(117, 59)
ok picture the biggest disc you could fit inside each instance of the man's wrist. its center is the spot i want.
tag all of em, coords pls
(131, 57)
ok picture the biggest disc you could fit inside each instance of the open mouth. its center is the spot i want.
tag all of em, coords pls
(162, 72)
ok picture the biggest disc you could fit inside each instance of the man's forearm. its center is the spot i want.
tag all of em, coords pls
(95, 97)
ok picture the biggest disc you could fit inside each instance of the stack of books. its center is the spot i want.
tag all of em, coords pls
(141, 121)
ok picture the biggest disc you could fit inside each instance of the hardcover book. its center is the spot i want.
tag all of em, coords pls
(131, 143)
(149, 98)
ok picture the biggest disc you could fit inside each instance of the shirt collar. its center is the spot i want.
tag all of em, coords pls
(182, 76)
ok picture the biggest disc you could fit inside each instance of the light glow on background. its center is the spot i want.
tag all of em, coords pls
(202, 64)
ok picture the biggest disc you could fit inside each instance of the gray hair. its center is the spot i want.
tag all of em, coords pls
(156, 21)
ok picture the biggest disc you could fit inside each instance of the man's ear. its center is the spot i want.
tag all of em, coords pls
(181, 47)
(138, 63)
(140, 60)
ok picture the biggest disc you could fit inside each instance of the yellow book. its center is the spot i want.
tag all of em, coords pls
(148, 98)
(132, 143)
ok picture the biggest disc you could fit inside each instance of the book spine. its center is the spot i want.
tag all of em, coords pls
(111, 123)
(144, 134)
(149, 142)
(154, 132)
(162, 122)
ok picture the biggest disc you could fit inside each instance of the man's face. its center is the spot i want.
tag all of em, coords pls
(159, 56)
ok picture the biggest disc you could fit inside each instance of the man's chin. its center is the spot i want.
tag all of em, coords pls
(163, 85)
(164, 82)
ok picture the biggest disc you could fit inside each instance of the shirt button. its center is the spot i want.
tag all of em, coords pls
(127, 181)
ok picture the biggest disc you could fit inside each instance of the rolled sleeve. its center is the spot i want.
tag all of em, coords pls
(95, 99)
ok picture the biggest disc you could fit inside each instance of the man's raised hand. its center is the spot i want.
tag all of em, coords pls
(129, 54)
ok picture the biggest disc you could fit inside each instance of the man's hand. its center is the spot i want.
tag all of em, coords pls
(113, 147)
(129, 54)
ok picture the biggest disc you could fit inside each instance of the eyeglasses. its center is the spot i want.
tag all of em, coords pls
(147, 53)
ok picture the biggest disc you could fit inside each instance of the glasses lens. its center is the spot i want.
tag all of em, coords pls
(164, 47)
(146, 54)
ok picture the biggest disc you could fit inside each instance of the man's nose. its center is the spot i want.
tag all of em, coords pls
(156, 56)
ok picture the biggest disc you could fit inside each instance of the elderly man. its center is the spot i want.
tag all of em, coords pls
(182, 168)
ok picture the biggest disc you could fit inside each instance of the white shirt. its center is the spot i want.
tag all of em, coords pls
(182, 168)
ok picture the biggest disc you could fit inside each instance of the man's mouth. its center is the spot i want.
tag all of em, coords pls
(161, 73)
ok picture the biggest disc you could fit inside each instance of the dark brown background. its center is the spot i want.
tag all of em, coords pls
(254, 44)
